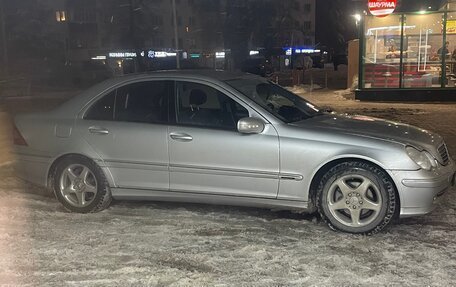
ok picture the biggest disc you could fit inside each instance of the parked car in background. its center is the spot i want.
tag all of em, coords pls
(339, 59)
(234, 139)
(318, 61)
(257, 66)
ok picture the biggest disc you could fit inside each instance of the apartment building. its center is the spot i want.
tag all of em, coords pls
(95, 28)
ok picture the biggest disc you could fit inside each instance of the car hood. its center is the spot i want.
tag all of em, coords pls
(364, 126)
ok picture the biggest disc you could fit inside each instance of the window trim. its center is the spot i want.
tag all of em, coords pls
(170, 94)
(96, 101)
(253, 109)
(227, 94)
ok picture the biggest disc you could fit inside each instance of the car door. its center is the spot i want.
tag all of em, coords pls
(128, 128)
(207, 153)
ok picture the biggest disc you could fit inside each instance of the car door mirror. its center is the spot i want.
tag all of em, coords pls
(250, 125)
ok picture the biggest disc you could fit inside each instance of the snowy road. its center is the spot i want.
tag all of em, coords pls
(163, 244)
(152, 244)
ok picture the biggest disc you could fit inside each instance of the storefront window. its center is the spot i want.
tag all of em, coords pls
(422, 51)
(413, 54)
(450, 60)
(382, 52)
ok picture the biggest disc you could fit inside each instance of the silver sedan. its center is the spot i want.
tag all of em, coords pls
(234, 139)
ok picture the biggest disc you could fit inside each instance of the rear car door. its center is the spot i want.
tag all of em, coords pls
(207, 153)
(128, 128)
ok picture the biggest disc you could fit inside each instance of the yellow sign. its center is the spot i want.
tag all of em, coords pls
(451, 27)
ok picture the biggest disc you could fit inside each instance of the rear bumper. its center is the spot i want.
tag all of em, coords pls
(32, 168)
(420, 191)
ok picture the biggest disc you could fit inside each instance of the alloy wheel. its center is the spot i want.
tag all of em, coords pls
(354, 200)
(78, 185)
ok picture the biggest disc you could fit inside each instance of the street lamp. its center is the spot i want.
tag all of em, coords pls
(60, 16)
(357, 19)
(176, 34)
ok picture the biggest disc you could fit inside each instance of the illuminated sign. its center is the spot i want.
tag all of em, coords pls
(122, 55)
(254, 52)
(382, 8)
(451, 27)
(150, 54)
(299, 50)
(219, 55)
(99, 58)
(160, 54)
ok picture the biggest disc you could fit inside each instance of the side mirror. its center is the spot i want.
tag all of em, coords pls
(250, 126)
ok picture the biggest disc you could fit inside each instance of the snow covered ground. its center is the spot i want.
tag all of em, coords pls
(165, 244)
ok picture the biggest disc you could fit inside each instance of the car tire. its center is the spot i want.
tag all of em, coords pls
(80, 185)
(356, 197)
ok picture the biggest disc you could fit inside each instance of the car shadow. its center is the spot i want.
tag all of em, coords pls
(207, 209)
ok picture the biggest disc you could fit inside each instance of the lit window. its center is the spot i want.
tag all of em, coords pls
(60, 16)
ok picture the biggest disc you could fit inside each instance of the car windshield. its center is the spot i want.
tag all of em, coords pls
(280, 102)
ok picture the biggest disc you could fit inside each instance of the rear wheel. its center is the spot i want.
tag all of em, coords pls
(356, 197)
(80, 185)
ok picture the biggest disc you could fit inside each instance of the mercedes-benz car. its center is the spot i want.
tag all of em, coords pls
(230, 139)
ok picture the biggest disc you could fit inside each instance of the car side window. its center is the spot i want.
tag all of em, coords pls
(103, 109)
(201, 105)
(145, 102)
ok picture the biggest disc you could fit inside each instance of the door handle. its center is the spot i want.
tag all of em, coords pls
(98, 130)
(181, 137)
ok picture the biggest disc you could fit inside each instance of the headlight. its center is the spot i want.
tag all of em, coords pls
(422, 158)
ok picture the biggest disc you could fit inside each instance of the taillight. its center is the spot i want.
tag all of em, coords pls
(18, 139)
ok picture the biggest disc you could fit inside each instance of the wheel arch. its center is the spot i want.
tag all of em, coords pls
(324, 168)
(58, 159)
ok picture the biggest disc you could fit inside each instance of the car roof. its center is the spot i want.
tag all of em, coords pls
(207, 74)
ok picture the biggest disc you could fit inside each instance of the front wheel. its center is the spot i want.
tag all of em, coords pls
(356, 197)
(80, 185)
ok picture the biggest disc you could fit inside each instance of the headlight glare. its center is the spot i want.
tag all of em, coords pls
(422, 158)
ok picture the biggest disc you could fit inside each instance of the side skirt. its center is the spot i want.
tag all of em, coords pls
(179, 196)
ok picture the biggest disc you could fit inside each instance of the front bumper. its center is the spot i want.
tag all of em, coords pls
(420, 190)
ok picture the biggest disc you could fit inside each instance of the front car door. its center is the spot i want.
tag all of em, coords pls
(207, 153)
(128, 128)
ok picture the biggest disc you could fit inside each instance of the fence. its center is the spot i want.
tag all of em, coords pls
(18, 87)
(313, 78)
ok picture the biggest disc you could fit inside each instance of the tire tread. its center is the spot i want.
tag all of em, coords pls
(103, 186)
(385, 180)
